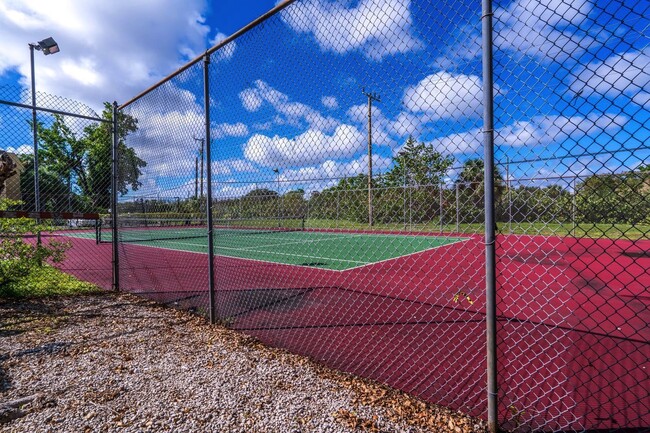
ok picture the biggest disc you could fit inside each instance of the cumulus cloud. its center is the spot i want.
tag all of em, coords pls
(23, 149)
(548, 30)
(446, 96)
(621, 74)
(222, 130)
(227, 51)
(312, 146)
(538, 131)
(330, 102)
(89, 69)
(376, 28)
(165, 138)
(330, 172)
(230, 166)
(542, 28)
(288, 112)
(382, 127)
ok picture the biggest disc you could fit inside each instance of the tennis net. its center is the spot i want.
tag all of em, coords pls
(141, 229)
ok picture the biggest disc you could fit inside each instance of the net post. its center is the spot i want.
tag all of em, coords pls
(208, 156)
(114, 174)
(490, 222)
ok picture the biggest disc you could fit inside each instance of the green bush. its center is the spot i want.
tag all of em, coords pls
(45, 281)
(24, 260)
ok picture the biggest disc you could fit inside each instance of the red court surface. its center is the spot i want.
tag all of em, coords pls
(573, 314)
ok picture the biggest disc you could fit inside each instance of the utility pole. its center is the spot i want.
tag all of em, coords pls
(196, 178)
(371, 97)
(201, 153)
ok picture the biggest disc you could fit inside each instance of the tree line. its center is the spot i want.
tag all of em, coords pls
(75, 174)
(416, 190)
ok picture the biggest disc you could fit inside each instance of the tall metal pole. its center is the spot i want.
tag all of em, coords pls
(509, 195)
(201, 155)
(279, 211)
(37, 193)
(490, 228)
(441, 208)
(202, 163)
(114, 174)
(196, 178)
(371, 97)
(457, 208)
(206, 101)
(574, 206)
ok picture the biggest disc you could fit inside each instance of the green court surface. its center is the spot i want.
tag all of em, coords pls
(325, 250)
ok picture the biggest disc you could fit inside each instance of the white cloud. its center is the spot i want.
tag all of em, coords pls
(446, 96)
(544, 29)
(382, 127)
(221, 130)
(250, 99)
(109, 50)
(166, 139)
(234, 165)
(288, 112)
(544, 130)
(312, 146)
(376, 28)
(330, 102)
(227, 51)
(330, 172)
(23, 149)
(536, 132)
(621, 74)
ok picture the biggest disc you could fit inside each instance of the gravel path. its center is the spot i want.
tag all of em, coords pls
(118, 363)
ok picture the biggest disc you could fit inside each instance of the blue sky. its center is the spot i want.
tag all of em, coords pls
(572, 83)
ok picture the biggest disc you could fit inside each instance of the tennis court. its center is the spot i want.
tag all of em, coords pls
(380, 304)
(286, 243)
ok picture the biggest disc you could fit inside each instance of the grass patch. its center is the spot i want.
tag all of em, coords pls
(580, 230)
(45, 281)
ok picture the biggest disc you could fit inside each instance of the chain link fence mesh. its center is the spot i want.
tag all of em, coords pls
(74, 180)
(348, 200)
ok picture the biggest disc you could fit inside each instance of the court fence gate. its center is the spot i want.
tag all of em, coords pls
(447, 197)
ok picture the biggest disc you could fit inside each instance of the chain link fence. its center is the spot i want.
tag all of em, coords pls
(318, 181)
(55, 180)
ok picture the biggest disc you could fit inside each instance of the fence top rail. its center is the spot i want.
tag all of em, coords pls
(53, 111)
(216, 47)
(50, 215)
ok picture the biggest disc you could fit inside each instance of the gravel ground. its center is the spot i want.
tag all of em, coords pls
(119, 363)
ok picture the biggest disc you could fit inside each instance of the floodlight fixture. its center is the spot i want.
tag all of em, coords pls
(47, 46)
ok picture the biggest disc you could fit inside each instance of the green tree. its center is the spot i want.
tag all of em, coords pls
(418, 164)
(471, 188)
(615, 198)
(412, 187)
(86, 158)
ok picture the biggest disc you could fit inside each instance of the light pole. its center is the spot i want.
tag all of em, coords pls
(47, 46)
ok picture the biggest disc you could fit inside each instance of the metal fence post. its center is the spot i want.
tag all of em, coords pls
(114, 174)
(208, 157)
(441, 208)
(457, 208)
(490, 229)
